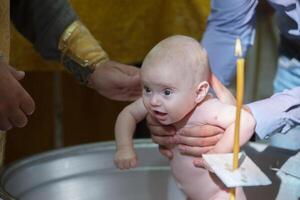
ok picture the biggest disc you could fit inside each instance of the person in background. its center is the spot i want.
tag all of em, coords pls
(237, 19)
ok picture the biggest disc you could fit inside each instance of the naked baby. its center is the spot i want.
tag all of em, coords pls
(175, 91)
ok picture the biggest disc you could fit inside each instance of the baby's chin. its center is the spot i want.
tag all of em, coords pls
(171, 120)
(166, 122)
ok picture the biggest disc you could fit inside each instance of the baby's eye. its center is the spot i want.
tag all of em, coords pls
(146, 89)
(167, 92)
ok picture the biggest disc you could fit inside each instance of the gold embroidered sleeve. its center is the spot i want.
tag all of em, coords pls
(80, 51)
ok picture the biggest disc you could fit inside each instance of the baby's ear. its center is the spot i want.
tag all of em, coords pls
(202, 90)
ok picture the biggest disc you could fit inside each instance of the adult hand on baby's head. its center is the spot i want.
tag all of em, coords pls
(162, 135)
(116, 81)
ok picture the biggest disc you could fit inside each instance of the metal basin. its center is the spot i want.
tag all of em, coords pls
(87, 172)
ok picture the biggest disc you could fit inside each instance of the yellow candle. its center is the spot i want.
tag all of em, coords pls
(239, 102)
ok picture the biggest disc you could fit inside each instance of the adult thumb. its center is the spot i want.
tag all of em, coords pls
(221, 91)
(19, 75)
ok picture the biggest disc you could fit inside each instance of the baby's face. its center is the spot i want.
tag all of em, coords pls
(168, 92)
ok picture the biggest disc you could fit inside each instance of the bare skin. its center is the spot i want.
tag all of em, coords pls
(15, 103)
(192, 141)
(116, 81)
(175, 76)
(196, 140)
(111, 79)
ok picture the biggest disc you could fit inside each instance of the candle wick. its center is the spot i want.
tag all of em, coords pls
(238, 48)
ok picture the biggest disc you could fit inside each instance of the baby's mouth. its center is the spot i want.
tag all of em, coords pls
(160, 114)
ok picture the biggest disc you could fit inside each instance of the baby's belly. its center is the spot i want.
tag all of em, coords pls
(195, 182)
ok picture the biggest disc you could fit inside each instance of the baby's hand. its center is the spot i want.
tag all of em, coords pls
(125, 158)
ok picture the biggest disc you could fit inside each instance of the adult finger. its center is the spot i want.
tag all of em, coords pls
(5, 125)
(201, 131)
(198, 162)
(221, 91)
(27, 104)
(19, 75)
(194, 151)
(18, 118)
(166, 152)
(199, 142)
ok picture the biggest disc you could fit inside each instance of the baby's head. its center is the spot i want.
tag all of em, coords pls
(174, 75)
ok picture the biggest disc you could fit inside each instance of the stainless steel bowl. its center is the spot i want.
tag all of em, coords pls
(87, 172)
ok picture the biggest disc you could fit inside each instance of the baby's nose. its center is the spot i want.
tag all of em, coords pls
(155, 100)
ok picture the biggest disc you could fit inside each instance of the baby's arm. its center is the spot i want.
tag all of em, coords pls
(226, 119)
(125, 157)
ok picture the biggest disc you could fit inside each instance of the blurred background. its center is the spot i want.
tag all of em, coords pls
(68, 113)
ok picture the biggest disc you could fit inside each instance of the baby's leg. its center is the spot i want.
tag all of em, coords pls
(240, 195)
(225, 195)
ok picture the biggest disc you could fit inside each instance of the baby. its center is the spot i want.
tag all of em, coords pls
(175, 91)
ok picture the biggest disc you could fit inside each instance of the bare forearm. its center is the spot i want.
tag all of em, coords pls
(124, 129)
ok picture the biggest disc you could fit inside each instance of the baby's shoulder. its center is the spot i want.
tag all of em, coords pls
(211, 102)
(212, 105)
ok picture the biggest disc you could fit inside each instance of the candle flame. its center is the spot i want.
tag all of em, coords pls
(238, 48)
